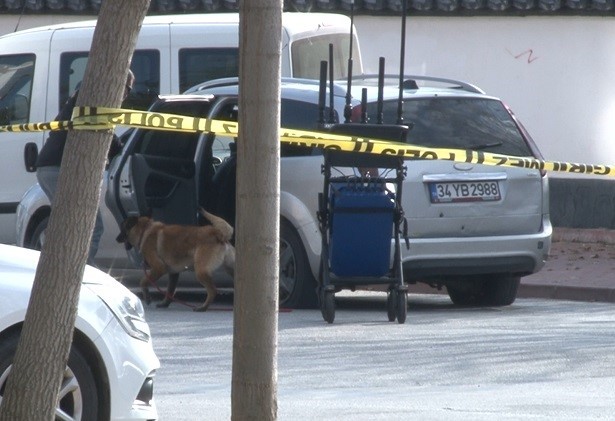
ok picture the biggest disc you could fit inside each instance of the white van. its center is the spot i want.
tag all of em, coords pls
(41, 67)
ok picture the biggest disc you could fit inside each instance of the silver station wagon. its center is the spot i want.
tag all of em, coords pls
(473, 229)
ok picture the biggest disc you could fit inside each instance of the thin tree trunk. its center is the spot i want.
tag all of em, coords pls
(254, 379)
(42, 353)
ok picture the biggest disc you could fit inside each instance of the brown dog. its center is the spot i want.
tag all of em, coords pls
(175, 248)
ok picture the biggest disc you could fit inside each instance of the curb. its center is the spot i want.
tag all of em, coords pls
(569, 293)
(584, 235)
(550, 292)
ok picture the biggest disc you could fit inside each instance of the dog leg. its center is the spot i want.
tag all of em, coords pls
(208, 283)
(144, 284)
(173, 278)
(151, 276)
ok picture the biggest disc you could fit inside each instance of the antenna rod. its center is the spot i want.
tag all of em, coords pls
(322, 93)
(380, 114)
(331, 76)
(400, 102)
(347, 107)
(364, 105)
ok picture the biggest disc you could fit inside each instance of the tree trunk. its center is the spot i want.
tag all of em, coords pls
(42, 353)
(254, 382)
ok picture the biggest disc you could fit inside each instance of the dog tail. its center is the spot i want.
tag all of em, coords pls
(220, 224)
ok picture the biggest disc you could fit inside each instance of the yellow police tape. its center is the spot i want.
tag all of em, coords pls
(100, 118)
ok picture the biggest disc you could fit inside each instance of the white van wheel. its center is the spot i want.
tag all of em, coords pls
(38, 236)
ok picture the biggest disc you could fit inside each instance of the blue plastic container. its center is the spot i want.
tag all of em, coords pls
(361, 229)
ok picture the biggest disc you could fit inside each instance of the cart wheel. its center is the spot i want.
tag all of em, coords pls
(402, 306)
(327, 306)
(392, 304)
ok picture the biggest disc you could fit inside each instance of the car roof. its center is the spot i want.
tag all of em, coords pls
(414, 86)
(303, 90)
(308, 89)
(412, 82)
(292, 88)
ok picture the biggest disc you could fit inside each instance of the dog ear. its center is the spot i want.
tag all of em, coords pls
(121, 238)
(130, 223)
(125, 227)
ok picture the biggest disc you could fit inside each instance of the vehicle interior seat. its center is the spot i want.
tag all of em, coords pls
(224, 187)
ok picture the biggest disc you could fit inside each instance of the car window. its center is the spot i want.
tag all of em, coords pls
(224, 145)
(294, 114)
(16, 72)
(461, 123)
(171, 144)
(301, 116)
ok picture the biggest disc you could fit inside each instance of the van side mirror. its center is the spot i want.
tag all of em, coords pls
(30, 155)
(14, 110)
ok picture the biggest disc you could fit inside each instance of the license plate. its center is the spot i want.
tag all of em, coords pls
(467, 191)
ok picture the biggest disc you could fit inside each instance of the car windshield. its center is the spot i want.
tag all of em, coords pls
(459, 123)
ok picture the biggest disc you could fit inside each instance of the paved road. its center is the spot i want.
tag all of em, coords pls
(537, 359)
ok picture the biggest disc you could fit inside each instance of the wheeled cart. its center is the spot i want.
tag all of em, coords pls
(359, 213)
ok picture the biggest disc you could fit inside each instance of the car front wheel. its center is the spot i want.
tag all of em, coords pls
(297, 284)
(78, 398)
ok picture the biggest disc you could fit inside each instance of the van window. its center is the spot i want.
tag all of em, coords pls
(16, 72)
(198, 65)
(145, 65)
(307, 54)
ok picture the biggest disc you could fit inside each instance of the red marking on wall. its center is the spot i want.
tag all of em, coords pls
(529, 53)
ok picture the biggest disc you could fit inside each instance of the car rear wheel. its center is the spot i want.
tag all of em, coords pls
(297, 284)
(487, 290)
(78, 398)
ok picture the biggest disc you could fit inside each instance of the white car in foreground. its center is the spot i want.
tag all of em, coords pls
(112, 364)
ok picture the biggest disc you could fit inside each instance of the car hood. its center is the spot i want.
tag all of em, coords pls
(22, 263)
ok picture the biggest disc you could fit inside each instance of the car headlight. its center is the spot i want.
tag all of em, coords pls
(127, 309)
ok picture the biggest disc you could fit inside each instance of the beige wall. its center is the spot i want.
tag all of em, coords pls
(10, 23)
(554, 72)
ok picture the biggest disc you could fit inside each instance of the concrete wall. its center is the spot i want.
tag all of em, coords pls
(582, 202)
(555, 72)
(11, 23)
